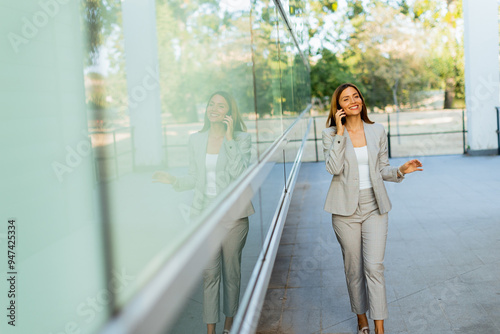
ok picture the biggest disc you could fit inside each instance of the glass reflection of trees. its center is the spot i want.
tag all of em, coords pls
(196, 42)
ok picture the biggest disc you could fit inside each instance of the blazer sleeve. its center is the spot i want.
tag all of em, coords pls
(188, 181)
(334, 151)
(388, 172)
(238, 153)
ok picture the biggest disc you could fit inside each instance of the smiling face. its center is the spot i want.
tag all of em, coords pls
(350, 101)
(217, 109)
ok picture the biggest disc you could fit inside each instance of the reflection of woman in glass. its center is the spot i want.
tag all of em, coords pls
(218, 154)
(355, 151)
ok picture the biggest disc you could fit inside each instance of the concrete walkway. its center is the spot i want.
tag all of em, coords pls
(442, 258)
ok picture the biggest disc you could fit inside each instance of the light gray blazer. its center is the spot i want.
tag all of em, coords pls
(341, 162)
(233, 159)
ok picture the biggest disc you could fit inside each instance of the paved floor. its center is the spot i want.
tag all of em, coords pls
(442, 258)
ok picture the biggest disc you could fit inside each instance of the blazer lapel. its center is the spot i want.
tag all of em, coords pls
(350, 155)
(222, 177)
(221, 159)
(201, 153)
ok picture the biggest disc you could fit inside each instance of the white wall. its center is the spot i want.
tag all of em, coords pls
(481, 74)
(141, 54)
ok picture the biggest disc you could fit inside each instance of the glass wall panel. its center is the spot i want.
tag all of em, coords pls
(52, 270)
(294, 141)
(287, 47)
(190, 112)
(267, 73)
(301, 83)
(272, 188)
(298, 20)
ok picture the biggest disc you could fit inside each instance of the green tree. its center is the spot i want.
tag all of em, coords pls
(391, 48)
(386, 52)
(328, 73)
(442, 20)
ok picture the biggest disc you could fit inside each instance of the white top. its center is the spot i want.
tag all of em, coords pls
(364, 169)
(210, 163)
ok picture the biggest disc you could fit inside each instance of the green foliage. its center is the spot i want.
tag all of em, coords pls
(404, 7)
(330, 5)
(355, 8)
(98, 20)
(393, 50)
(328, 73)
(197, 47)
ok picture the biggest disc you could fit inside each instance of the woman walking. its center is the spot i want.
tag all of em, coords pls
(355, 151)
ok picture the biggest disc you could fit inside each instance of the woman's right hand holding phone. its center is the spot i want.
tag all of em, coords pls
(339, 115)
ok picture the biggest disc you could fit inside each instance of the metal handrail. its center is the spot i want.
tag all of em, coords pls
(463, 131)
(498, 128)
(315, 139)
(390, 135)
(115, 150)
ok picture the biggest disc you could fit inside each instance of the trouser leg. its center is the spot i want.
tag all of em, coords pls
(374, 232)
(348, 232)
(232, 248)
(211, 294)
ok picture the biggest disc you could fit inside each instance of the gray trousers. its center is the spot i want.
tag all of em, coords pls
(227, 262)
(362, 238)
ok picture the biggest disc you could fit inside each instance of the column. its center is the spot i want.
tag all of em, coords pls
(141, 54)
(481, 74)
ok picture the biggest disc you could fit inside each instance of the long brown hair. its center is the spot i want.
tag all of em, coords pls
(330, 121)
(238, 124)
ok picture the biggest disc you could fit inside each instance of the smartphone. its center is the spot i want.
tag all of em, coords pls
(228, 114)
(342, 120)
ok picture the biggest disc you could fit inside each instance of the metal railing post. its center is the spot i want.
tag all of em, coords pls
(315, 139)
(498, 129)
(389, 134)
(463, 131)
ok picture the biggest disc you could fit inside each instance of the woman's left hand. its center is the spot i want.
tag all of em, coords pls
(228, 120)
(411, 166)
